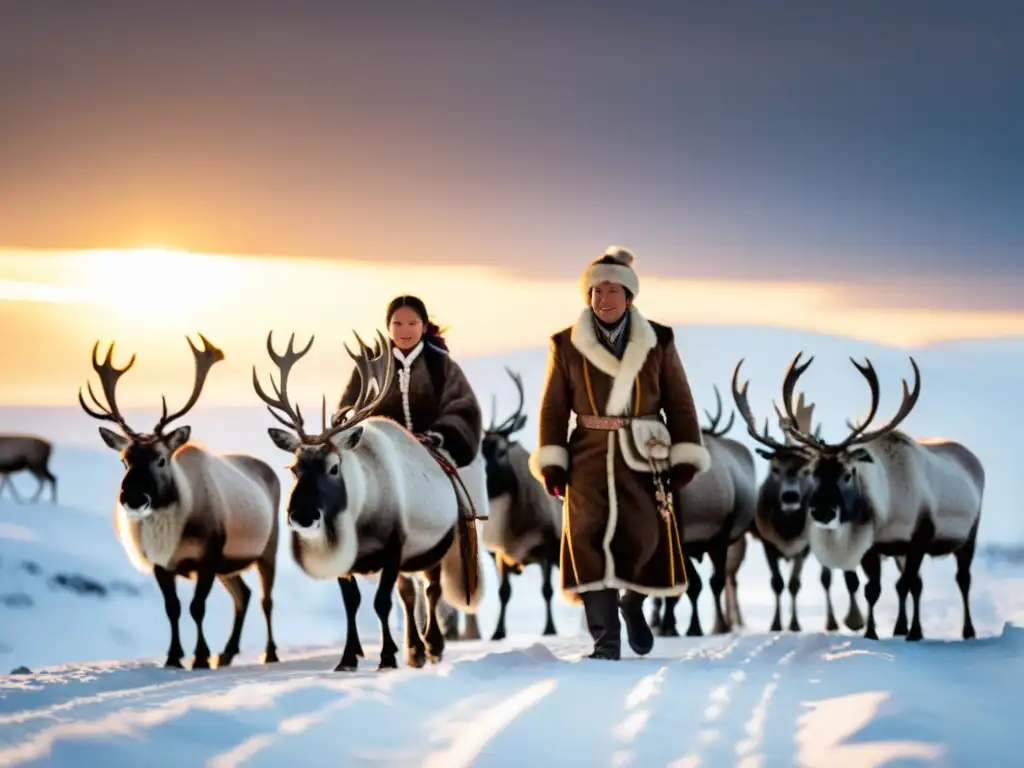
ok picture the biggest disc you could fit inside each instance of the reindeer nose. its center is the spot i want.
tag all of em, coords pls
(305, 520)
(790, 497)
(826, 517)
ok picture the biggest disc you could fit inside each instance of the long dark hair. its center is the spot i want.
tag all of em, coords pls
(431, 332)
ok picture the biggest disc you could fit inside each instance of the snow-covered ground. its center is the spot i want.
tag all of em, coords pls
(93, 633)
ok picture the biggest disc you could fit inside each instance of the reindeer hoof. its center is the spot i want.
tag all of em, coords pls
(499, 635)
(416, 659)
(387, 663)
(969, 633)
(915, 635)
(201, 662)
(269, 656)
(549, 631)
(854, 622)
(435, 658)
(871, 634)
(831, 625)
(666, 631)
(691, 632)
(224, 660)
(173, 663)
(348, 663)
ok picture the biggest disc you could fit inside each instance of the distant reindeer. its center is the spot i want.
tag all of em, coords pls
(370, 498)
(883, 493)
(782, 524)
(716, 510)
(185, 511)
(525, 522)
(29, 453)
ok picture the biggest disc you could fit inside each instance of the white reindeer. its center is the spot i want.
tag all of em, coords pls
(369, 497)
(716, 510)
(782, 521)
(883, 493)
(184, 511)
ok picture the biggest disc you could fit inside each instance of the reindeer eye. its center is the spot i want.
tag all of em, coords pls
(334, 469)
(161, 462)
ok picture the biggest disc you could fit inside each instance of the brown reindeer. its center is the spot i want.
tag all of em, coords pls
(185, 511)
(716, 510)
(29, 453)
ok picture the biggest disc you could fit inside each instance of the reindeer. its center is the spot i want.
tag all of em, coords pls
(185, 511)
(716, 510)
(781, 523)
(31, 453)
(882, 493)
(370, 498)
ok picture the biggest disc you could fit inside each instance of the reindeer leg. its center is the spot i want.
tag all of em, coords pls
(872, 565)
(504, 595)
(433, 636)
(912, 572)
(772, 555)
(692, 592)
(382, 604)
(655, 620)
(172, 606)
(267, 570)
(204, 583)
(794, 589)
(902, 591)
(964, 558)
(41, 484)
(547, 592)
(240, 594)
(471, 630)
(14, 491)
(831, 625)
(353, 648)
(854, 619)
(448, 619)
(415, 651)
(717, 555)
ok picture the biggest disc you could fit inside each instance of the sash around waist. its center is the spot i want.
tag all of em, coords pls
(610, 423)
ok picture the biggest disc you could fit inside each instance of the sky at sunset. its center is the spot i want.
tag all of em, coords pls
(852, 168)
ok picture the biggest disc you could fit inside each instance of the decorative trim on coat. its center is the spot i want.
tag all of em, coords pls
(642, 339)
(548, 456)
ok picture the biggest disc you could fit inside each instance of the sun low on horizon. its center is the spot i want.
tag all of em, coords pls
(148, 298)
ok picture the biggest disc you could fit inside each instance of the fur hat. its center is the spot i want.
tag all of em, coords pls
(616, 266)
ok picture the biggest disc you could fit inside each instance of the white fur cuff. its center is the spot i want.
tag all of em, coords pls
(690, 453)
(613, 273)
(548, 456)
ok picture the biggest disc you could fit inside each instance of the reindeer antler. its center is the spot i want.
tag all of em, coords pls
(517, 420)
(858, 435)
(739, 396)
(205, 359)
(284, 363)
(712, 428)
(369, 367)
(109, 376)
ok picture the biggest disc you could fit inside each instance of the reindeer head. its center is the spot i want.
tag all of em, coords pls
(789, 464)
(148, 484)
(837, 494)
(497, 442)
(320, 494)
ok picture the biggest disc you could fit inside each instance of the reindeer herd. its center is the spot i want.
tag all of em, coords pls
(368, 497)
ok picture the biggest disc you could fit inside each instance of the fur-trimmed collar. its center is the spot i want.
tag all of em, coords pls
(642, 339)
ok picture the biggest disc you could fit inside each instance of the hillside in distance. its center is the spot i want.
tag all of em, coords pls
(969, 392)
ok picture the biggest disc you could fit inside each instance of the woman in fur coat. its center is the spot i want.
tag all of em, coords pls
(433, 397)
(637, 438)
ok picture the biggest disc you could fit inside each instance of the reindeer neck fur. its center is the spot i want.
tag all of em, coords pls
(154, 540)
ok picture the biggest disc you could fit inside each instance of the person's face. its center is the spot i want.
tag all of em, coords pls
(609, 301)
(406, 328)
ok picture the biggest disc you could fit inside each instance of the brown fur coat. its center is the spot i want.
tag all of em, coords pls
(613, 535)
(450, 409)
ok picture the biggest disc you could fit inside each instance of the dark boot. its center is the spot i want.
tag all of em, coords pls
(601, 609)
(638, 632)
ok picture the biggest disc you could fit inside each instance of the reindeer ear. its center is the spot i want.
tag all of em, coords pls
(113, 440)
(351, 438)
(178, 438)
(765, 453)
(862, 454)
(284, 440)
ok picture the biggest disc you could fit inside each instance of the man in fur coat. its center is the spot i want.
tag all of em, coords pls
(636, 427)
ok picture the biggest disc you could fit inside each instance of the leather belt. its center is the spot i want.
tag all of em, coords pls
(608, 423)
